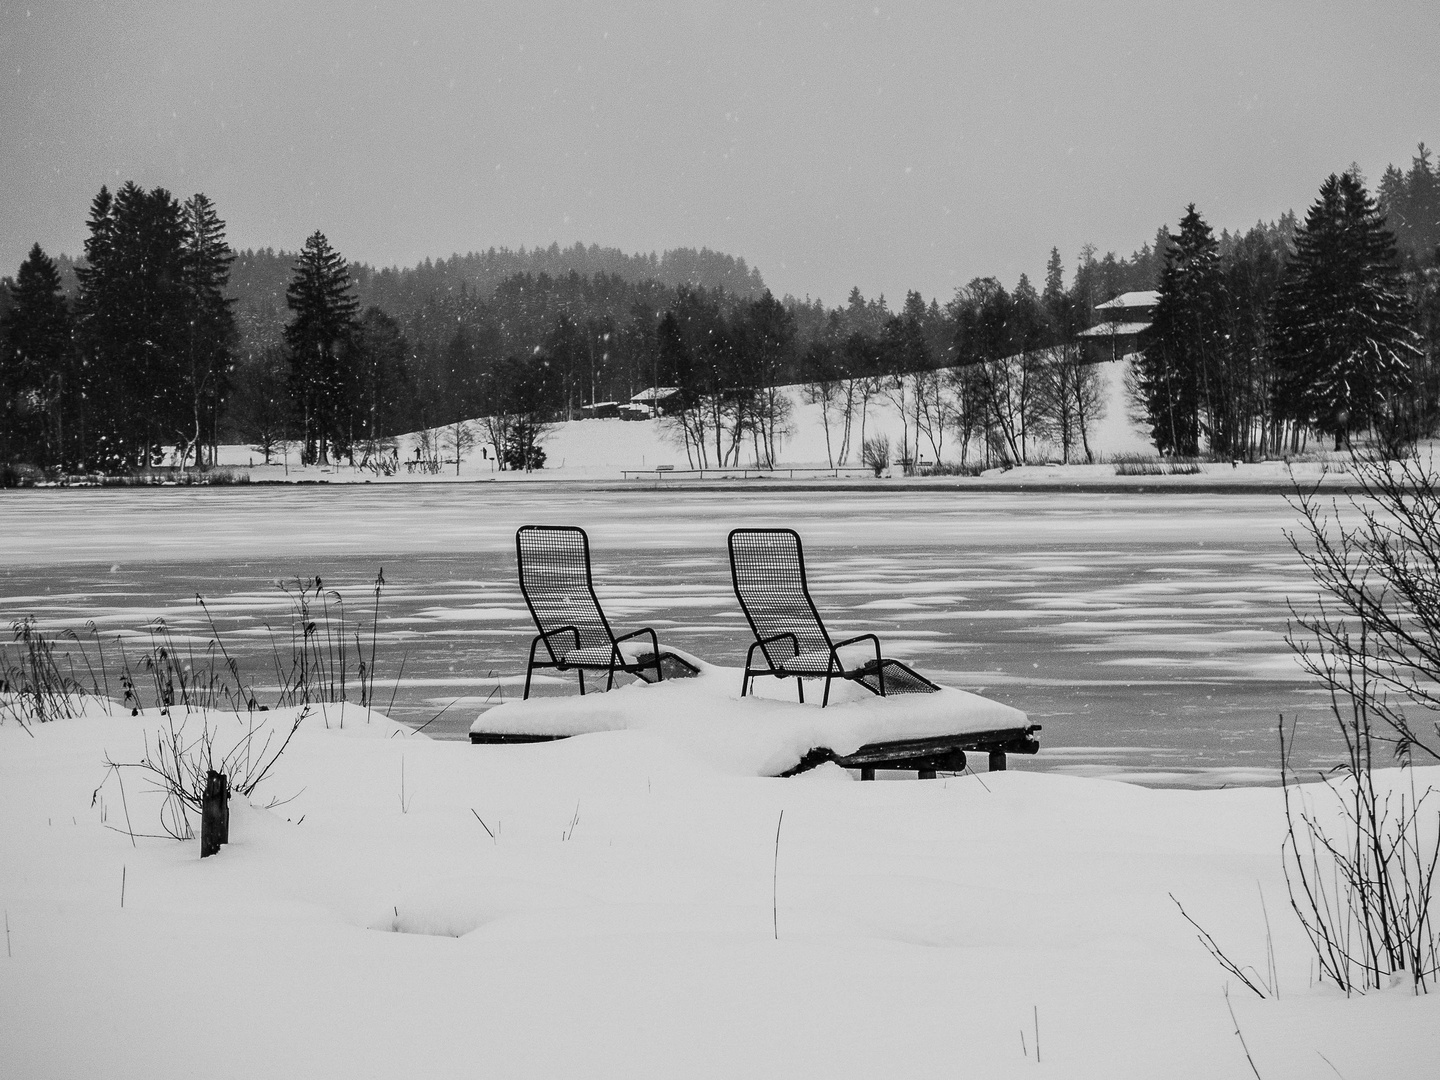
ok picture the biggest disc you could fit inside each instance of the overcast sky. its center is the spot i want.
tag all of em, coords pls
(892, 147)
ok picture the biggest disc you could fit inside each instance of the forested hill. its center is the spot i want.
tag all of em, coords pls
(259, 278)
(265, 273)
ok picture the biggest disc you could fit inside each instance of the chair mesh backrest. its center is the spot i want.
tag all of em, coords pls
(554, 565)
(768, 571)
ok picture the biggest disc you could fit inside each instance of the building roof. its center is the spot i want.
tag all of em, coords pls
(1142, 299)
(1115, 329)
(655, 394)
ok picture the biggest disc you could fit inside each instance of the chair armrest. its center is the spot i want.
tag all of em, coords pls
(640, 633)
(654, 642)
(794, 642)
(835, 648)
(545, 636)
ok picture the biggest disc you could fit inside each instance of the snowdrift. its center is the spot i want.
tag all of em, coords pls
(617, 905)
(761, 734)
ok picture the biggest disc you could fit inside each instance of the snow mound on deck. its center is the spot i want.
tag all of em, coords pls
(754, 735)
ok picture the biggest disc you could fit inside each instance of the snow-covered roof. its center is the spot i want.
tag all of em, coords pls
(1115, 329)
(655, 393)
(1142, 299)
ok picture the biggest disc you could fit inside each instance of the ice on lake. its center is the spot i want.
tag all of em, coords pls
(1144, 631)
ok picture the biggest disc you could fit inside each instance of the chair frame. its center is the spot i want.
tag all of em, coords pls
(616, 661)
(834, 668)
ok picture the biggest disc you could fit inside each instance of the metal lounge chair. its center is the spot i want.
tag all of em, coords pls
(767, 568)
(554, 567)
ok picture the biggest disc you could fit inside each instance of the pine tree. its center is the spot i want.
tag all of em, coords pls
(134, 318)
(211, 330)
(1183, 369)
(35, 361)
(1055, 299)
(384, 386)
(1343, 338)
(1410, 205)
(319, 338)
(1252, 272)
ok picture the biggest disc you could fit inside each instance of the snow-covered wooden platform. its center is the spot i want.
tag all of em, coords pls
(765, 734)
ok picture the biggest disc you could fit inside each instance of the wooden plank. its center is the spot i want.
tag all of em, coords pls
(497, 738)
(927, 756)
(1006, 740)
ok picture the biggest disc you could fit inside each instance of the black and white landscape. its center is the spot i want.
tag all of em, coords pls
(1093, 350)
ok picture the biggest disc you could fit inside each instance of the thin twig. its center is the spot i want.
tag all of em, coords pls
(1215, 951)
(121, 780)
(1273, 975)
(977, 776)
(482, 822)
(775, 880)
(1239, 1036)
(432, 719)
(398, 676)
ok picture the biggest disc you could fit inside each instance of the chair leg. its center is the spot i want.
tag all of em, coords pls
(530, 669)
(826, 699)
(800, 686)
(580, 674)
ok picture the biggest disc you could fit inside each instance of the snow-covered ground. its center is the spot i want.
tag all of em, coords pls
(631, 917)
(606, 449)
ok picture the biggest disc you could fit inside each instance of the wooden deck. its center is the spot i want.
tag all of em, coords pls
(946, 753)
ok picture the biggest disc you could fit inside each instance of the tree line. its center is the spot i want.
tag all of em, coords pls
(1331, 330)
(162, 341)
(140, 360)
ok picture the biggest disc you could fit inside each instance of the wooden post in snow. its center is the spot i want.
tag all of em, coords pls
(214, 814)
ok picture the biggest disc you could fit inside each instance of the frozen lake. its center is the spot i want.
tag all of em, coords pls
(1144, 631)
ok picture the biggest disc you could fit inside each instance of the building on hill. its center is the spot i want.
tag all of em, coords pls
(656, 398)
(1124, 326)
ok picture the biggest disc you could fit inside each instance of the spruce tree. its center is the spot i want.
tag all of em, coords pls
(385, 389)
(1343, 338)
(1182, 372)
(134, 325)
(35, 362)
(211, 325)
(320, 339)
